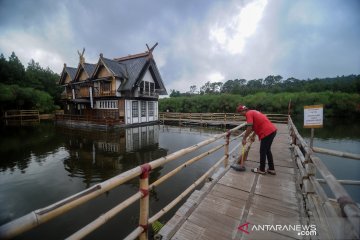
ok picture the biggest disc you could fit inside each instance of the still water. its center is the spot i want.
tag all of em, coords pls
(43, 164)
(341, 135)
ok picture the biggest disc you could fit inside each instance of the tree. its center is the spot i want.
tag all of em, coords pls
(16, 71)
(215, 87)
(193, 89)
(228, 86)
(206, 88)
(174, 93)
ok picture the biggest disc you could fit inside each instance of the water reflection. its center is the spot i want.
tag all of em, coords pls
(97, 156)
(334, 128)
(20, 145)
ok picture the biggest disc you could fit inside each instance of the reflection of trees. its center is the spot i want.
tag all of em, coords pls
(19, 145)
(333, 128)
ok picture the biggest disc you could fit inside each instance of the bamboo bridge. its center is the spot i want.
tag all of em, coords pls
(225, 204)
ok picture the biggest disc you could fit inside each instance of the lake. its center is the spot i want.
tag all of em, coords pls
(43, 164)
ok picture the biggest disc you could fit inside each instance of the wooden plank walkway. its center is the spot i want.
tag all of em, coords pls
(244, 197)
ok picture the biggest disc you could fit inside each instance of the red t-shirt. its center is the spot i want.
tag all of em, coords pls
(260, 123)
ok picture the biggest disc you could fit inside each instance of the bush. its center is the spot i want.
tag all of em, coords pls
(335, 103)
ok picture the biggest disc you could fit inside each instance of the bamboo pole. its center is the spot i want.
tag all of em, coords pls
(134, 234)
(184, 165)
(43, 215)
(104, 217)
(336, 153)
(227, 141)
(161, 161)
(345, 181)
(347, 205)
(185, 193)
(144, 204)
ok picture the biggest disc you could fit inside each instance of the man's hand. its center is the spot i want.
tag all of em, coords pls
(244, 141)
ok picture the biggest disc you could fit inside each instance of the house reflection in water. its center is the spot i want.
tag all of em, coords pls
(96, 156)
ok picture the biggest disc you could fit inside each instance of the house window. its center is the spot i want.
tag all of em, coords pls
(147, 87)
(151, 109)
(135, 109)
(143, 109)
(152, 88)
(142, 85)
(105, 89)
(107, 104)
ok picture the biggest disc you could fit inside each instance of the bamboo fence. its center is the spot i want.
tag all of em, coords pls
(316, 198)
(43, 215)
(213, 118)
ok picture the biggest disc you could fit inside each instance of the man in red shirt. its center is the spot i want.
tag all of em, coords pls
(266, 131)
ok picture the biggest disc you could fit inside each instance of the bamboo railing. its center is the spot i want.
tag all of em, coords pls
(318, 203)
(22, 116)
(43, 215)
(214, 118)
(108, 121)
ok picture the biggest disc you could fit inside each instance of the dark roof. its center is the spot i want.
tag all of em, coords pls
(71, 71)
(89, 68)
(131, 68)
(67, 70)
(119, 70)
(136, 66)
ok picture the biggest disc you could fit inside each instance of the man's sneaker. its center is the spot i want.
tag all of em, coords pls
(271, 172)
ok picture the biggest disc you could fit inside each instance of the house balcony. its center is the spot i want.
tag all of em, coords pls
(149, 94)
(104, 93)
(66, 96)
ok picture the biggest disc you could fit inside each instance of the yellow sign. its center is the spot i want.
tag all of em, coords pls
(313, 116)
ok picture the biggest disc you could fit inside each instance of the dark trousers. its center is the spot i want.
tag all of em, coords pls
(265, 152)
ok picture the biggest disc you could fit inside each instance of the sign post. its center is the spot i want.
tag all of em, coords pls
(313, 118)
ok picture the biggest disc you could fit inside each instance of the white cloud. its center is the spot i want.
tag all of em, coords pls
(232, 34)
(215, 77)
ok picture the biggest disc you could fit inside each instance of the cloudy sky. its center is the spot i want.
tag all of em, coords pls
(199, 41)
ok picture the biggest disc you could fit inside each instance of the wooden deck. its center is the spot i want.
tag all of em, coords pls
(238, 198)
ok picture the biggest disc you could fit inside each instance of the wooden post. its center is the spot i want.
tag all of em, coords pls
(226, 160)
(312, 138)
(289, 108)
(144, 201)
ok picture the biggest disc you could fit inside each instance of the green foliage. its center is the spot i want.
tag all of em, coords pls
(33, 88)
(335, 103)
(276, 84)
(16, 97)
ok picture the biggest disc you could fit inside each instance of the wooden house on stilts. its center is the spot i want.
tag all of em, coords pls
(120, 91)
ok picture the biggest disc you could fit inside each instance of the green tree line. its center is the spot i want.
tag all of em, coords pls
(336, 104)
(33, 87)
(275, 84)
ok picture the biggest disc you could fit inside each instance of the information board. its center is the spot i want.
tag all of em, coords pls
(313, 116)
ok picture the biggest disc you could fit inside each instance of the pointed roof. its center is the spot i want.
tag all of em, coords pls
(116, 68)
(67, 71)
(89, 68)
(136, 66)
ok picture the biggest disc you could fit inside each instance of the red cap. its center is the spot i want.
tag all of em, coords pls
(241, 108)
